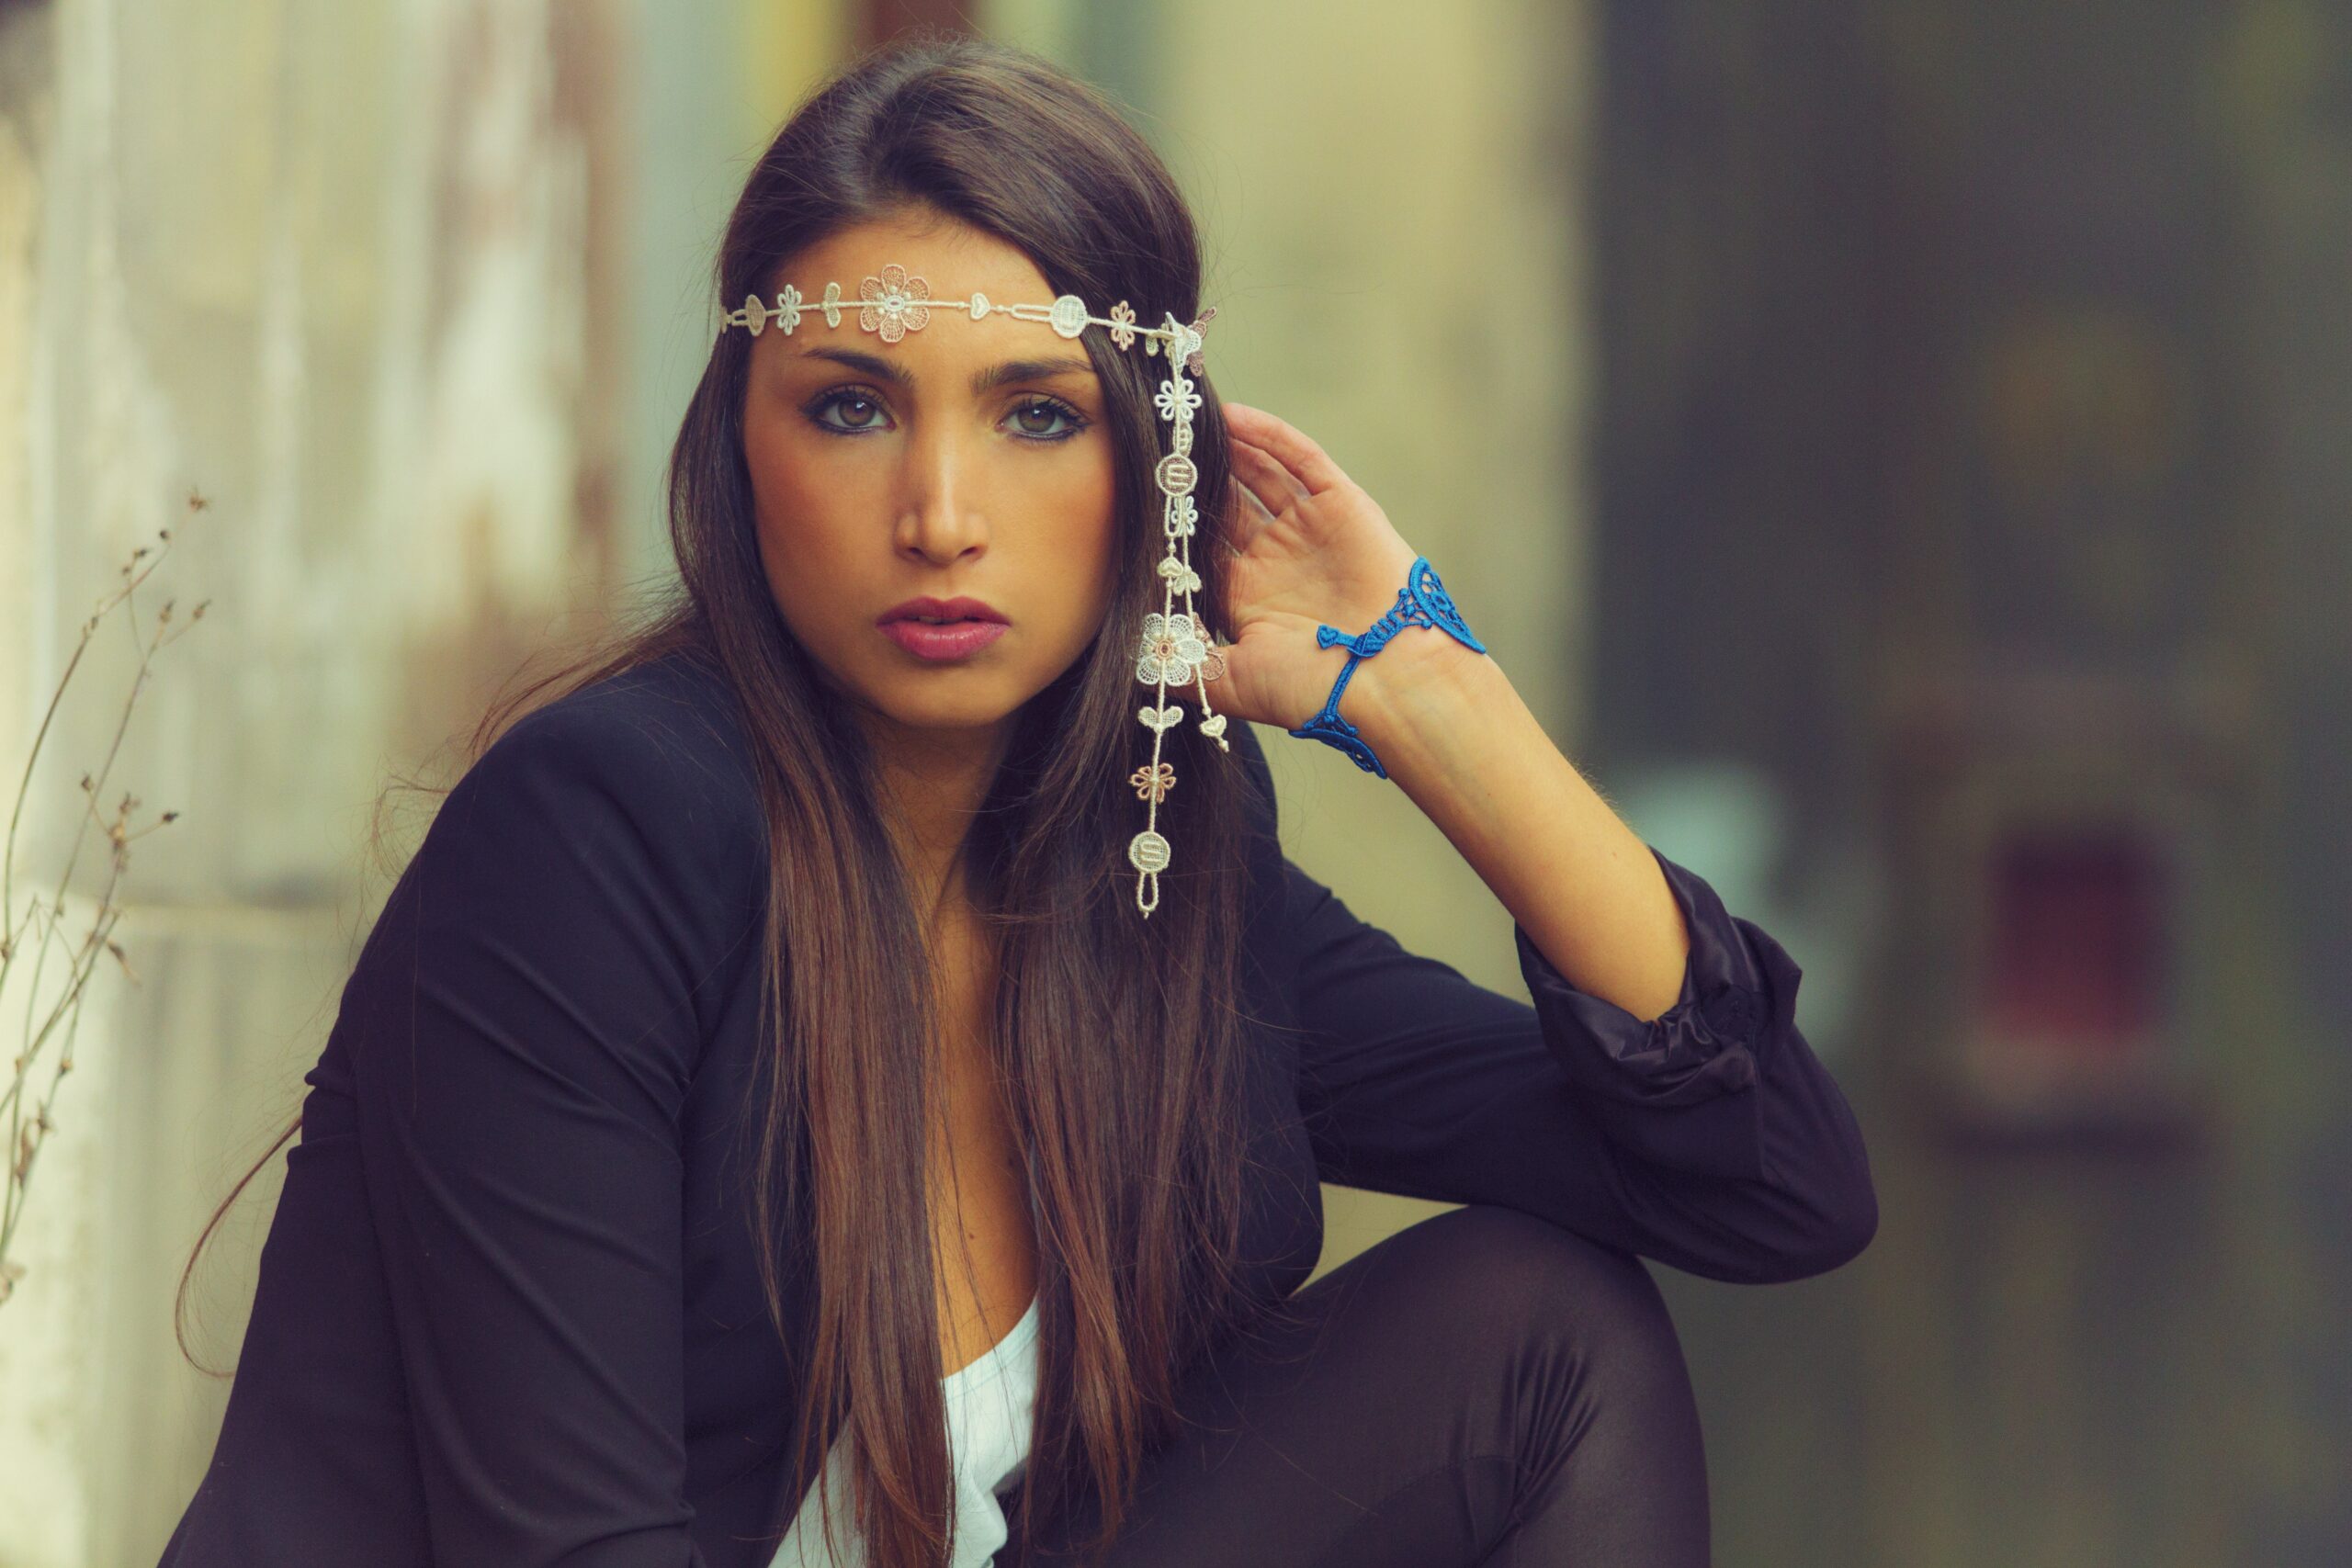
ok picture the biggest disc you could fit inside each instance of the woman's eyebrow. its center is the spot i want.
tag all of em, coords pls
(982, 380)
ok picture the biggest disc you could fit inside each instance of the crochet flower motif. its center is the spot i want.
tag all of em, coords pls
(1153, 781)
(895, 304)
(1172, 651)
(1184, 578)
(1194, 336)
(1213, 662)
(1122, 329)
(1183, 515)
(1176, 394)
(1184, 341)
(787, 308)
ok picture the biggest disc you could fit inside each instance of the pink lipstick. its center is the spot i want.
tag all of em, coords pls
(942, 630)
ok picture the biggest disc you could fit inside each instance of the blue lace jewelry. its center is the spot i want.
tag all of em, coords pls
(1422, 602)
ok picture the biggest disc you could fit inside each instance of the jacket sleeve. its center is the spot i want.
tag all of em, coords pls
(1710, 1138)
(535, 988)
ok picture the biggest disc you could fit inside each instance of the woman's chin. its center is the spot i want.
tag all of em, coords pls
(979, 708)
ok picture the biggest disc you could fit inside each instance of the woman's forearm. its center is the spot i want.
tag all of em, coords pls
(1455, 736)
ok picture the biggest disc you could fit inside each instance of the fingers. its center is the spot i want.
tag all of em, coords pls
(1272, 485)
(1290, 449)
(1247, 516)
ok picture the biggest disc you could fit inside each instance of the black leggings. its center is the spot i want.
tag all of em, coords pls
(1482, 1387)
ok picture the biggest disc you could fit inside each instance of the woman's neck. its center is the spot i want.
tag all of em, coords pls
(933, 783)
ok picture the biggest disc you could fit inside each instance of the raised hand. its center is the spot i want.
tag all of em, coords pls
(1312, 549)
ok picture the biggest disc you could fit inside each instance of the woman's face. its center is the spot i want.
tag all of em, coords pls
(968, 459)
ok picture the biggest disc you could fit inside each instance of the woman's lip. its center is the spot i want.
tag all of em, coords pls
(955, 639)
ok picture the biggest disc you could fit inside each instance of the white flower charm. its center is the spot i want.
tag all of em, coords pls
(1184, 342)
(787, 308)
(895, 304)
(1172, 650)
(1194, 336)
(1123, 324)
(1176, 398)
(1212, 669)
(1182, 518)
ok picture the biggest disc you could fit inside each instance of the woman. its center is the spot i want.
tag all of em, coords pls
(763, 1057)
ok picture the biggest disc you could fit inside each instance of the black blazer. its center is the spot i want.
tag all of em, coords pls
(507, 1312)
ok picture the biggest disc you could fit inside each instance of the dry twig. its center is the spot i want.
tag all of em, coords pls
(39, 935)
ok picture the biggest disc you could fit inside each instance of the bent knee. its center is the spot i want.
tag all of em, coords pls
(1518, 1277)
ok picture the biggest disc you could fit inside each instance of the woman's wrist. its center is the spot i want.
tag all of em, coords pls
(1413, 695)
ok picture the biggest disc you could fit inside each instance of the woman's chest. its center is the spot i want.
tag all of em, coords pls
(739, 1382)
(983, 1230)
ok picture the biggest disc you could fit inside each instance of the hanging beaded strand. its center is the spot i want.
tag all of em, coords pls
(1176, 649)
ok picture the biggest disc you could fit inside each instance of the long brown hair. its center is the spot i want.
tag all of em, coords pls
(1118, 1040)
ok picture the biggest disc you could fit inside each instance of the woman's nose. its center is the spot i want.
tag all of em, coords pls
(941, 514)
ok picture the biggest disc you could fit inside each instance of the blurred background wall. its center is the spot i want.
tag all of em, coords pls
(1897, 450)
(1973, 394)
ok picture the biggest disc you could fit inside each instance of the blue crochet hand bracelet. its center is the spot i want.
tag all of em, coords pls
(1422, 602)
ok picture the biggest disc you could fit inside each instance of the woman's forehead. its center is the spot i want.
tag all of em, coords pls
(951, 259)
(985, 362)
(947, 264)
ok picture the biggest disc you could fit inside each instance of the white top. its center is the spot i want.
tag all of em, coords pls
(989, 1407)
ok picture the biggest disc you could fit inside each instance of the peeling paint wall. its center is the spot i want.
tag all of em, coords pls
(350, 271)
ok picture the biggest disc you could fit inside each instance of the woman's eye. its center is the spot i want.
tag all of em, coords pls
(842, 399)
(1045, 408)
(860, 411)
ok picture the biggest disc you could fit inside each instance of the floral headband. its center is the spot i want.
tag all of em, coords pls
(1175, 647)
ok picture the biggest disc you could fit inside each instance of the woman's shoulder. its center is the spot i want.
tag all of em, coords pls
(658, 751)
(672, 713)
